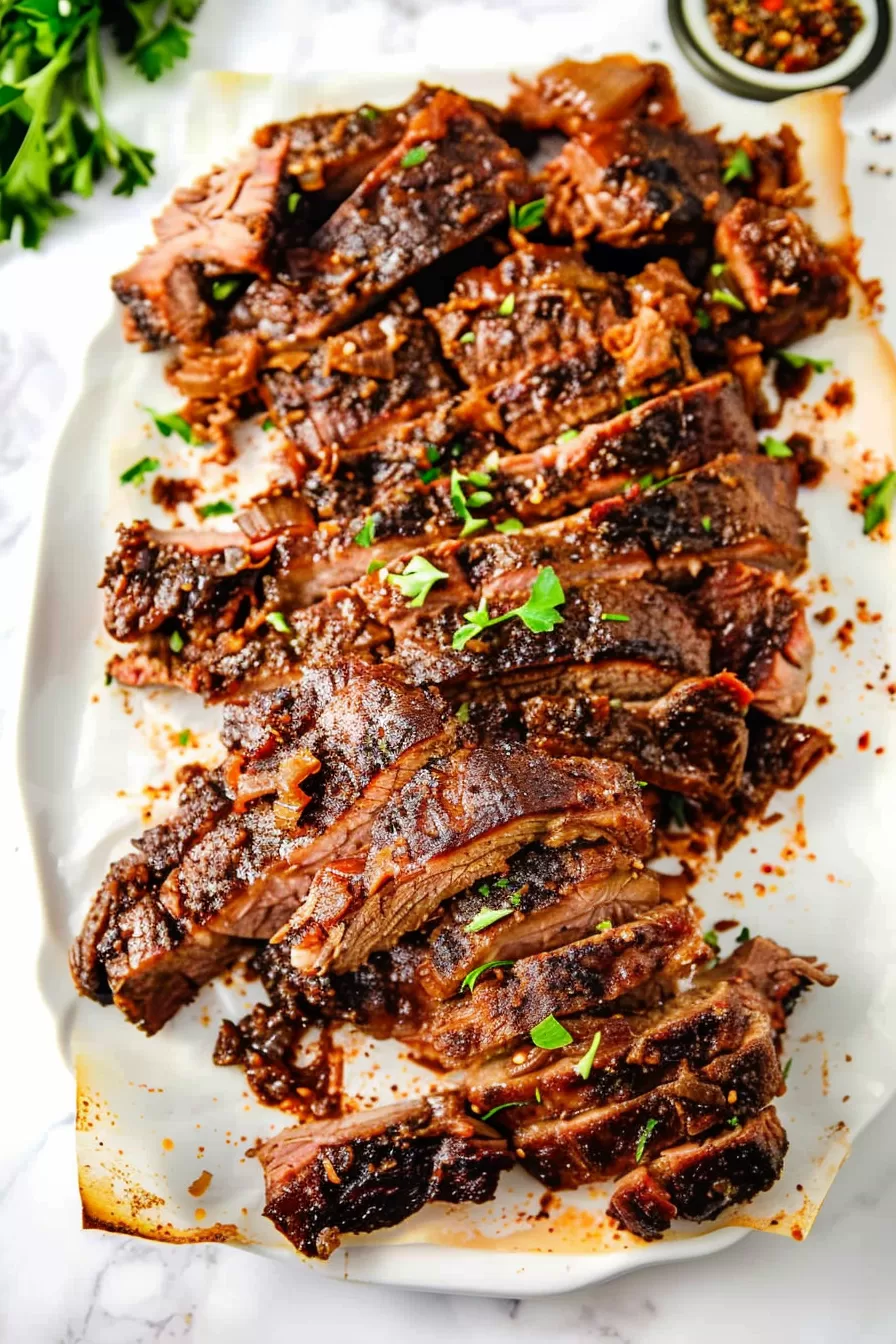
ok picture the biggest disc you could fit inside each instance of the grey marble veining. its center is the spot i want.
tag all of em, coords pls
(60, 1284)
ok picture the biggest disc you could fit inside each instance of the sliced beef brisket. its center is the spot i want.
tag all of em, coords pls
(574, 96)
(376, 1168)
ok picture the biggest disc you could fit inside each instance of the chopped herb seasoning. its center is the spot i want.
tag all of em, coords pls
(430, 474)
(509, 527)
(470, 979)
(432, 453)
(279, 622)
(786, 1069)
(468, 338)
(527, 217)
(739, 165)
(643, 1138)
(706, 523)
(723, 296)
(538, 613)
(801, 361)
(368, 113)
(743, 936)
(507, 306)
(567, 435)
(775, 448)
(485, 918)
(604, 925)
(515, 897)
(171, 424)
(184, 736)
(712, 940)
(787, 36)
(216, 509)
(462, 714)
(538, 1095)
(586, 1063)
(417, 579)
(222, 289)
(703, 319)
(613, 616)
(503, 1107)
(419, 154)
(267, 424)
(375, 566)
(292, 201)
(878, 499)
(461, 505)
(176, 641)
(631, 402)
(135, 474)
(675, 804)
(367, 533)
(549, 1034)
(734, 1122)
(718, 267)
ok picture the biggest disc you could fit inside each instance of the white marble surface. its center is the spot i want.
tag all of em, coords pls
(58, 1283)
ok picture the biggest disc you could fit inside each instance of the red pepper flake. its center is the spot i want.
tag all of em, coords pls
(864, 742)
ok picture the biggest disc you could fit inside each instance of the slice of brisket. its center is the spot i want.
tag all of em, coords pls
(575, 96)
(779, 756)
(458, 820)
(698, 1181)
(376, 1168)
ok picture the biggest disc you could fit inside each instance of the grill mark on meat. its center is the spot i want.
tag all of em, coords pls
(455, 822)
(235, 861)
(698, 1181)
(376, 1168)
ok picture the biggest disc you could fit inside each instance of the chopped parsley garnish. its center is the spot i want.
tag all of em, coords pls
(706, 523)
(279, 622)
(527, 217)
(432, 453)
(485, 918)
(786, 1068)
(712, 940)
(878, 499)
(367, 533)
(417, 579)
(430, 474)
(462, 503)
(538, 1095)
(739, 165)
(470, 979)
(604, 925)
(468, 338)
(375, 566)
(135, 474)
(723, 296)
(586, 1063)
(718, 267)
(538, 613)
(734, 1122)
(631, 402)
(800, 361)
(292, 201)
(703, 319)
(216, 509)
(773, 447)
(184, 737)
(368, 113)
(462, 714)
(743, 936)
(171, 424)
(226, 286)
(509, 527)
(549, 1034)
(507, 306)
(267, 424)
(567, 435)
(176, 641)
(614, 616)
(675, 804)
(515, 897)
(643, 1138)
(503, 1107)
(419, 154)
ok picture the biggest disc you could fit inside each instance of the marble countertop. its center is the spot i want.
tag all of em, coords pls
(58, 1283)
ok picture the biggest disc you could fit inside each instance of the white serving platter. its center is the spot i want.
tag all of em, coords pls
(154, 1113)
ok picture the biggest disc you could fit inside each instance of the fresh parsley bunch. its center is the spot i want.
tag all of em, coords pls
(54, 135)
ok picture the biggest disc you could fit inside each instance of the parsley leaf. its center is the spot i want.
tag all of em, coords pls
(226, 286)
(604, 925)
(375, 566)
(706, 523)
(279, 622)
(216, 509)
(800, 361)
(485, 918)
(267, 424)
(675, 804)
(703, 319)
(567, 435)
(613, 616)
(643, 1138)
(135, 474)
(171, 424)
(184, 737)
(586, 1063)
(509, 527)
(417, 579)
(879, 497)
(503, 1107)
(507, 306)
(468, 338)
(786, 1068)
(739, 165)
(469, 980)
(549, 1034)
(419, 154)
(538, 613)
(631, 402)
(775, 448)
(365, 536)
(712, 940)
(723, 296)
(176, 641)
(159, 48)
(527, 217)
(743, 936)
(461, 505)
(462, 714)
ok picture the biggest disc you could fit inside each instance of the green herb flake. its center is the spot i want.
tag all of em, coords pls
(503, 1107)
(462, 714)
(470, 979)
(507, 306)
(292, 201)
(631, 402)
(718, 268)
(135, 474)
(732, 301)
(675, 804)
(786, 1069)
(604, 925)
(706, 523)
(461, 506)
(613, 616)
(711, 938)
(365, 537)
(878, 497)
(538, 1095)
(107, 679)
(527, 217)
(226, 286)
(368, 113)
(704, 321)
(430, 474)
(538, 613)
(568, 435)
(509, 527)
(485, 918)
(743, 936)
(643, 1138)
(176, 641)
(739, 165)
(171, 424)
(549, 1034)
(184, 737)
(586, 1063)
(416, 579)
(775, 447)
(468, 338)
(432, 453)
(801, 361)
(375, 566)
(279, 622)
(419, 154)
(515, 898)
(267, 424)
(216, 509)
(734, 1122)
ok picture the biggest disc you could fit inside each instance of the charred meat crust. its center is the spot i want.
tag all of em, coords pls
(573, 96)
(698, 1181)
(376, 1168)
